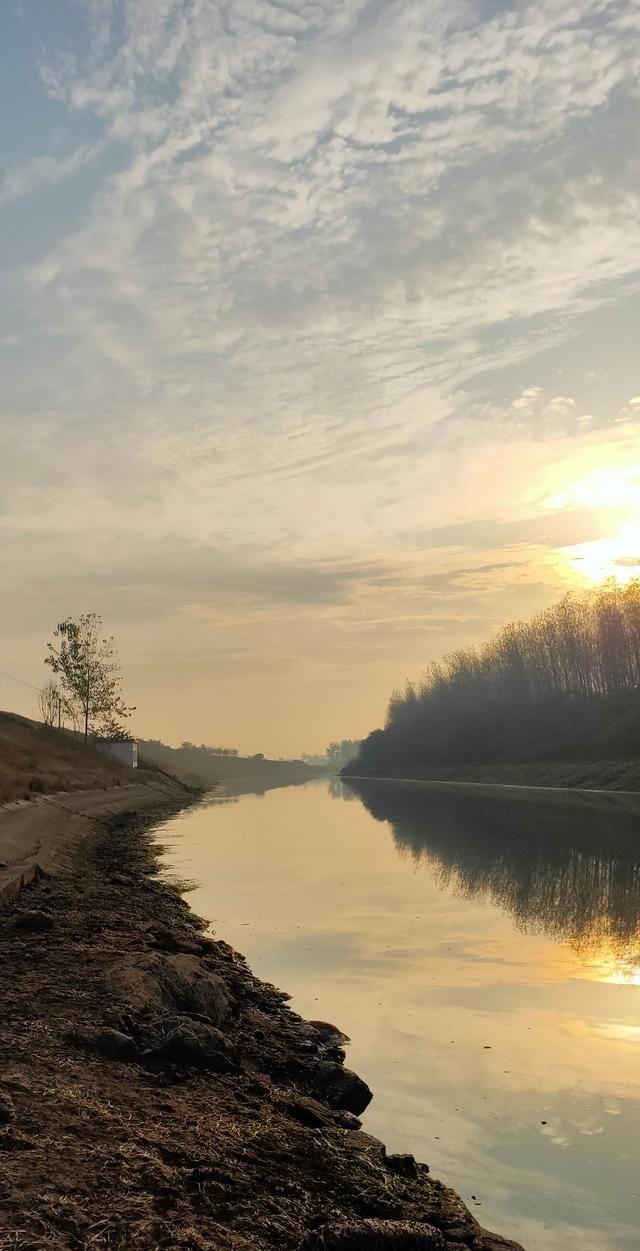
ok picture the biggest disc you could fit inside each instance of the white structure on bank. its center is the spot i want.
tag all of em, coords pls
(123, 750)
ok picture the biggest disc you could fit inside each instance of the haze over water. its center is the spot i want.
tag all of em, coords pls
(489, 983)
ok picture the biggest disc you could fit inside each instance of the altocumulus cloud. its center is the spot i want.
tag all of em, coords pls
(305, 195)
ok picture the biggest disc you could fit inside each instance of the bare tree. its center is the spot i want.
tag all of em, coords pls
(49, 703)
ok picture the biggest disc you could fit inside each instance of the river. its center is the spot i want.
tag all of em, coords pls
(482, 951)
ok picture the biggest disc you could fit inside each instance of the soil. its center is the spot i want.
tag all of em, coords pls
(155, 1094)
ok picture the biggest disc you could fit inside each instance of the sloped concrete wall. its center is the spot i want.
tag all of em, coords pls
(38, 835)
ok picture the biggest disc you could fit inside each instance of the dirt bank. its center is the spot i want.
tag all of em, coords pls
(154, 1094)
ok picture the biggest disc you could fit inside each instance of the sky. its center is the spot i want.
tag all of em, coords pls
(318, 339)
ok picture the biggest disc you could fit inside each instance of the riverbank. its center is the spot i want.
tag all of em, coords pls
(237, 775)
(613, 775)
(153, 1093)
(40, 835)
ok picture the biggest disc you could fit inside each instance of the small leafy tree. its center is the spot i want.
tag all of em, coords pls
(87, 666)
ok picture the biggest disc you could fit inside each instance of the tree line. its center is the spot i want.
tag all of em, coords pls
(225, 752)
(563, 685)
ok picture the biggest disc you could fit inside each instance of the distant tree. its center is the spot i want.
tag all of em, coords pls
(87, 666)
(565, 684)
(339, 754)
(205, 749)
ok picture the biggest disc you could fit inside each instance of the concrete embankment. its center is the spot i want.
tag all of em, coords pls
(39, 835)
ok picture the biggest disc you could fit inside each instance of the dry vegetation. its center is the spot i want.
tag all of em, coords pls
(36, 760)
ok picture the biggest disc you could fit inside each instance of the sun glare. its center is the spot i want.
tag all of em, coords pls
(612, 489)
(617, 557)
(609, 486)
(614, 968)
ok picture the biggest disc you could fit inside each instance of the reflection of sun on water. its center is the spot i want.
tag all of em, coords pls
(613, 968)
(612, 487)
(624, 977)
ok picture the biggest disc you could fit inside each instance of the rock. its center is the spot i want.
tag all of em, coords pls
(367, 1145)
(183, 1040)
(334, 1053)
(375, 1235)
(348, 1121)
(7, 1110)
(339, 1087)
(404, 1165)
(329, 1033)
(309, 1112)
(34, 920)
(174, 941)
(111, 1043)
(178, 983)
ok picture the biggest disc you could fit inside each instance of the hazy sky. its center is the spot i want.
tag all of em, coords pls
(319, 340)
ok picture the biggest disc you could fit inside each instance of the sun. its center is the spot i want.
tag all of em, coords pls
(613, 492)
(617, 557)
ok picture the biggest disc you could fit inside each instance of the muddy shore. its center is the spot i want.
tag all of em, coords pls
(155, 1094)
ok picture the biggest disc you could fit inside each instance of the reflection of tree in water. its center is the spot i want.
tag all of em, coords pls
(340, 790)
(563, 866)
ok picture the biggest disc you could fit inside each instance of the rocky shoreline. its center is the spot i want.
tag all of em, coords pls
(155, 1094)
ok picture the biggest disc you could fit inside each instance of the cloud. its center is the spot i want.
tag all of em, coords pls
(559, 529)
(265, 351)
(45, 171)
(316, 200)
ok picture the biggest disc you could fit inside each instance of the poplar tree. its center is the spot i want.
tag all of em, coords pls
(87, 666)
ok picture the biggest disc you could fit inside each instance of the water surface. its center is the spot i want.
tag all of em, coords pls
(483, 953)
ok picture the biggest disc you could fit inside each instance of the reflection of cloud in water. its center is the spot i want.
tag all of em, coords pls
(566, 866)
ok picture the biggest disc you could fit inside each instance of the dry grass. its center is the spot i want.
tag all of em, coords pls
(35, 760)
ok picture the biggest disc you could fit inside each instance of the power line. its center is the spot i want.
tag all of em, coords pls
(20, 680)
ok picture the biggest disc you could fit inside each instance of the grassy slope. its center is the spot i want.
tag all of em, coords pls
(621, 775)
(36, 760)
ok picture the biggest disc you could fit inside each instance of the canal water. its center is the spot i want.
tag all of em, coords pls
(482, 951)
